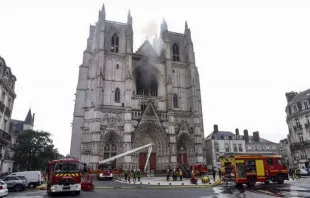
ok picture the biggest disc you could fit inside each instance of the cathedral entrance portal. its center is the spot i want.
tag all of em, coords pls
(110, 146)
(151, 132)
(142, 161)
(185, 149)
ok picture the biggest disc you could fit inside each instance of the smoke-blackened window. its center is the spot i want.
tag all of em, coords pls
(117, 95)
(146, 84)
(175, 52)
(114, 43)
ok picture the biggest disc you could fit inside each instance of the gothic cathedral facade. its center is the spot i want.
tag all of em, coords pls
(128, 99)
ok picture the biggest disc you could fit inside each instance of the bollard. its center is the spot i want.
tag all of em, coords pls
(140, 182)
(158, 183)
(182, 184)
(169, 183)
(149, 183)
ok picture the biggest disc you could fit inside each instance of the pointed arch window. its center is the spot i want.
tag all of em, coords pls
(114, 43)
(175, 52)
(117, 95)
(175, 101)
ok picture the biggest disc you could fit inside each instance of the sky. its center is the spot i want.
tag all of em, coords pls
(248, 54)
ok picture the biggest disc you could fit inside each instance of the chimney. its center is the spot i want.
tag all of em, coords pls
(246, 135)
(237, 131)
(215, 128)
(290, 96)
(256, 136)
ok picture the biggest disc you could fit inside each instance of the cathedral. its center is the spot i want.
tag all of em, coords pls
(126, 99)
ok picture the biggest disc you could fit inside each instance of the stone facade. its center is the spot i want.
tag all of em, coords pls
(127, 99)
(285, 151)
(7, 93)
(298, 122)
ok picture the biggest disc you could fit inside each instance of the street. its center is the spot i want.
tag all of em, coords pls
(299, 188)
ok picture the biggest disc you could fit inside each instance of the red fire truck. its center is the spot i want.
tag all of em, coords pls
(64, 175)
(107, 171)
(199, 169)
(249, 169)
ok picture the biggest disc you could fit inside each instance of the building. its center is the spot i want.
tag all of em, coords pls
(7, 93)
(219, 143)
(126, 99)
(19, 126)
(256, 144)
(285, 151)
(298, 122)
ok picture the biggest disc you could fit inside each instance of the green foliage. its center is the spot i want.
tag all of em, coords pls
(33, 150)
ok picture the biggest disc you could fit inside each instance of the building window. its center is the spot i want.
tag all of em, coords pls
(146, 86)
(175, 52)
(175, 101)
(240, 148)
(9, 102)
(226, 147)
(306, 106)
(117, 95)
(114, 43)
(294, 108)
(216, 147)
(235, 148)
(270, 162)
(117, 66)
(5, 125)
(308, 119)
(297, 123)
(301, 138)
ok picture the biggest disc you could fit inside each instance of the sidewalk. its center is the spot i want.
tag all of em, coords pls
(163, 181)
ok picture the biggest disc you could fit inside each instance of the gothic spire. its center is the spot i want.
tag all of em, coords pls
(103, 8)
(186, 27)
(129, 18)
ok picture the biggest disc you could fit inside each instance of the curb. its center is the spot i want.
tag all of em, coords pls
(151, 187)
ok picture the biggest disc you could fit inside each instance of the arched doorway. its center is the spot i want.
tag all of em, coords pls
(151, 132)
(185, 149)
(111, 146)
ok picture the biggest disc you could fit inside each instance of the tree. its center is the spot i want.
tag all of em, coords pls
(33, 150)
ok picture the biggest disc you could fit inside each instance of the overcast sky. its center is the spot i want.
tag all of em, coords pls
(248, 55)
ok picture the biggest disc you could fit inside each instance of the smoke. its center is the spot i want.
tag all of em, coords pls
(149, 60)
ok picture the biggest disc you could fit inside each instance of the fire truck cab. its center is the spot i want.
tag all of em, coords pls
(64, 175)
(249, 169)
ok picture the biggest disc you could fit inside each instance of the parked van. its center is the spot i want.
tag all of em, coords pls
(34, 178)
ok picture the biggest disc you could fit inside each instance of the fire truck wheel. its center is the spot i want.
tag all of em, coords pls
(77, 192)
(251, 181)
(280, 179)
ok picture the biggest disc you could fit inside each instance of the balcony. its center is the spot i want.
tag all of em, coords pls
(7, 112)
(5, 138)
(300, 145)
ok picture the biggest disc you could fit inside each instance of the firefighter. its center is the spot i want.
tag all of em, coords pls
(134, 175)
(129, 175)
(138, 174)
(126, 174)
(168, 174)
(214, 173)
(180, 174)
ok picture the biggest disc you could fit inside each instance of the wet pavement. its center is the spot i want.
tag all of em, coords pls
(299, 188)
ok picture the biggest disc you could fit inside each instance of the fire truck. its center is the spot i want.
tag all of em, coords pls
(199, 169)
(64, 175)
(249, 169)
(106, 171)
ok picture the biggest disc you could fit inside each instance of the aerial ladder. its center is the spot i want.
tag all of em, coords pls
(149, 146)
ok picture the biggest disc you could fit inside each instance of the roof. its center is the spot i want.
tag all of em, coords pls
(301, 96)
(226, 135)
(29, 119)
(146, 49)
(220, 135)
